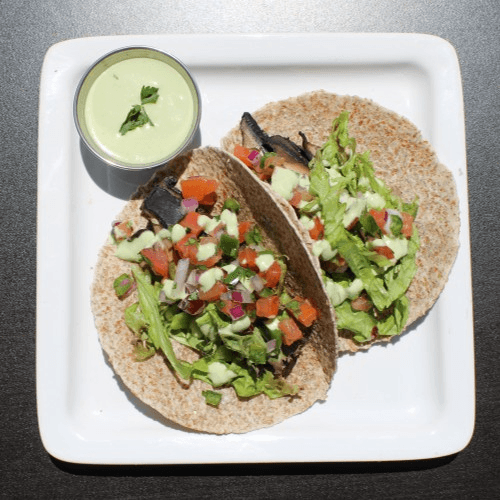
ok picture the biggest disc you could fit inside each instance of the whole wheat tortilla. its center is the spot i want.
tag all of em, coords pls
(152, 381)
(401, 157)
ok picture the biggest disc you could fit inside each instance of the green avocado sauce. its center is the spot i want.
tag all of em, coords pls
(117, 89)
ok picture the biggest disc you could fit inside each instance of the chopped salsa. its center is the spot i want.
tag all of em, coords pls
(209, 283)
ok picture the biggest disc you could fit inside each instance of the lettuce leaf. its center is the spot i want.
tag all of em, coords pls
(136, 321)
(251, 347)
(339, 173)
(157, 331)
(362, 323)
(248, 384)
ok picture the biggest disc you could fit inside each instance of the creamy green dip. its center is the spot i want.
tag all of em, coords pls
(117, 89)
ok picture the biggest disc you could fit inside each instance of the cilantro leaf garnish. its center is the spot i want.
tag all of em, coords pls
(137, 117)
(149, 94)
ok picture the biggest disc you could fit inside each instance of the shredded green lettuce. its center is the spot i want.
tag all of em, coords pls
(157, 330)
(228, 358)
(338, 173)
(212, 398)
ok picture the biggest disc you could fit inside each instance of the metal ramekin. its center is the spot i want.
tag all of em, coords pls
(97, 69)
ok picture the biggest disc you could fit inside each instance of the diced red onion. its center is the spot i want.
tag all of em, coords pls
(189, 204)
(236, 312)
(193, 277)
(389, 212)
(271, 345)
(126, 281)
(253, 156)
(163, 298)
(181, 274)
(243, 296)
(219, 233)
(192, 307)
(257, 283)
(132, 285)
(245, 291)
(392, 211)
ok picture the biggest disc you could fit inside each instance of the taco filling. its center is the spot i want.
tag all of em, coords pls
(363, 235)
(209, 283)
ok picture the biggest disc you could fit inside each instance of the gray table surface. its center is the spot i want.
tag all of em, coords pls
(27, 30)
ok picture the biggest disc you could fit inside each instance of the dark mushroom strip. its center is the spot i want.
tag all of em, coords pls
(164, 204)
(296, 158)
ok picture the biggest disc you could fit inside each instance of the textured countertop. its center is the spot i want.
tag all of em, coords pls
(27, 30)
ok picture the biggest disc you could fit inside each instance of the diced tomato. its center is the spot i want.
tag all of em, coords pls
(296, 198)
(268, 307)
(249, 308)
(194, 307)
(352, 224)
(211, 261)
(407, 229)
(266, 171)
(187, 247)
(307, 313)
(290, 332)
(226, 307)
(380, 217)
(214, 293)
(158, 260)
(299, 195)
(247, 257)
(242, 153)
(216, 229)
(265, 174)
(200, 188)
(341, 262)
(337, 265)
(385, 251)
(243, 228)
(122, 230)
(361, 303)
(190, 221)
(272, 275)
(318, 230)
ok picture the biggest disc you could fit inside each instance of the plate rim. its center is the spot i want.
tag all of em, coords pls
(50, 440)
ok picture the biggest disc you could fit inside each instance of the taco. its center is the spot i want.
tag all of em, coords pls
(371, 199)
(207, 304)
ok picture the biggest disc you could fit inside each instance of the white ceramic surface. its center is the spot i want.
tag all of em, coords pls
(411, 399)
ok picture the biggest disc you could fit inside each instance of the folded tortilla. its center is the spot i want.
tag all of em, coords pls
(152, 381)
(401, 157)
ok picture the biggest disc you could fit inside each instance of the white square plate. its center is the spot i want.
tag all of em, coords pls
(411, 399)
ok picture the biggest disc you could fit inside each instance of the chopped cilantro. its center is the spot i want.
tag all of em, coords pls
(212, 398)
(137, 116)
(149, 95)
